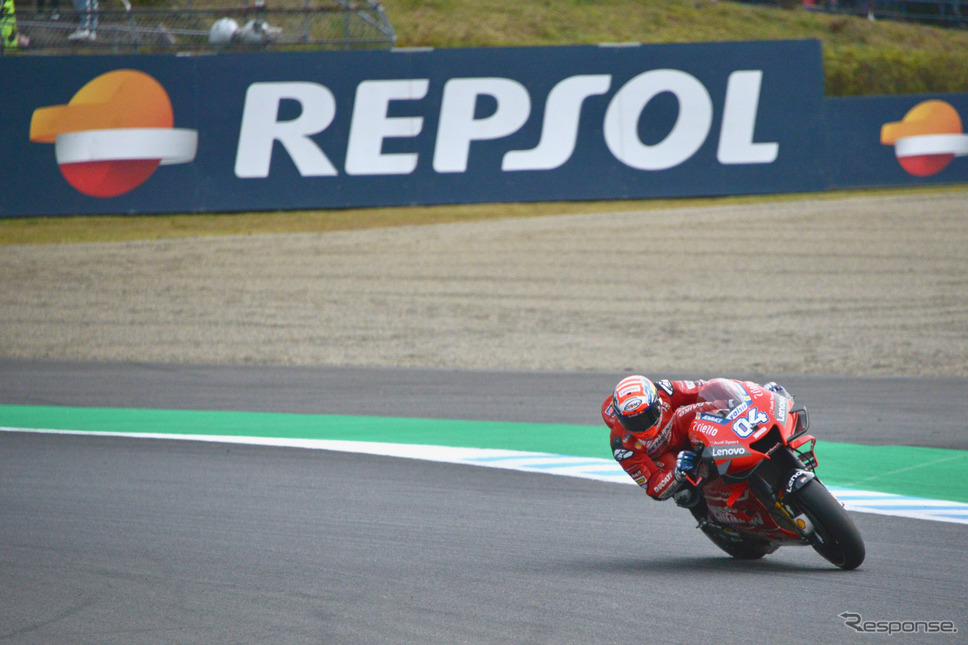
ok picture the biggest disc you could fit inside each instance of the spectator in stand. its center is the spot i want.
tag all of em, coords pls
(87, 27)
(48, 9)
(950, 13)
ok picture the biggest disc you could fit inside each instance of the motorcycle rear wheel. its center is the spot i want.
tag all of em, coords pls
(741, 547)
(836, 538)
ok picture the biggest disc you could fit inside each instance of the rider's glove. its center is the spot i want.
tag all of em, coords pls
(686, 464)
(776, 387)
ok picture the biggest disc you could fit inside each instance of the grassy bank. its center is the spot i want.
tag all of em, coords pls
(861, 57)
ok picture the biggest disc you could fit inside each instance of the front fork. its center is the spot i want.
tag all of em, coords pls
(799, 522)
(777, 479)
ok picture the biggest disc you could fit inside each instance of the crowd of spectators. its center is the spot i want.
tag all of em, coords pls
(946, 13)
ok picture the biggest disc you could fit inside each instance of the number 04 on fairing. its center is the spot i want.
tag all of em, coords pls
(756, 482)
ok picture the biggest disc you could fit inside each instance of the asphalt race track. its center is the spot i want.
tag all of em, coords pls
(122, 540)
(879, 410)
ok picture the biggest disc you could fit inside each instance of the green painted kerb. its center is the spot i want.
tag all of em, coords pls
(925, 472)
(562, 439)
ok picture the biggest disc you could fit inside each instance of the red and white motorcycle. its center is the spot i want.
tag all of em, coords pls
(758, 490)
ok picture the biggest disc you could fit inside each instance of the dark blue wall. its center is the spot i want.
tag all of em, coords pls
(627, 123)
(857, 158)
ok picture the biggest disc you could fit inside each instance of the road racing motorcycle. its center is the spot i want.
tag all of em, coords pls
(755, 478)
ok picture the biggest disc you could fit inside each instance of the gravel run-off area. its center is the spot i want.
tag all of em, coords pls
(871, 285)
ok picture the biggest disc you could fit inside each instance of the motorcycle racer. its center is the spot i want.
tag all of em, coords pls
(649, 424)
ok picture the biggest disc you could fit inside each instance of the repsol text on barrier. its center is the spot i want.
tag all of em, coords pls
(348, 129)
(458, 126)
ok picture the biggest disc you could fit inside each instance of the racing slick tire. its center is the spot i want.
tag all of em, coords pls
(835, 536)
(741, 547)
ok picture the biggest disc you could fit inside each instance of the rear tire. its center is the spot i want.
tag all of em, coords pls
(739, 546)
(836, 538)
(743, 548)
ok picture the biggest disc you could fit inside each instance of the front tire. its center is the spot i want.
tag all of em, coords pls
(835, 537)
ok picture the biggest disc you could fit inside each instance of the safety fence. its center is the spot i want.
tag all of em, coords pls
(940, 13)
(126, 29)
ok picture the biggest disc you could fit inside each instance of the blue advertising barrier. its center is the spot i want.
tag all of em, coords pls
(150, 134)
(290, 131)
(896, 140)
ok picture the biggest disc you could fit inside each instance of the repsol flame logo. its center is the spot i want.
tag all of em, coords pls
(114, 133)
(927, 139)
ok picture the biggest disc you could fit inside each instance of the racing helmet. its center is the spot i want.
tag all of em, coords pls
(253, 32)
(223, 31)
(637, 407)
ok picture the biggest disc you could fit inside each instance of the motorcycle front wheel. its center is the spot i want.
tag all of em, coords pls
(835, 537)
